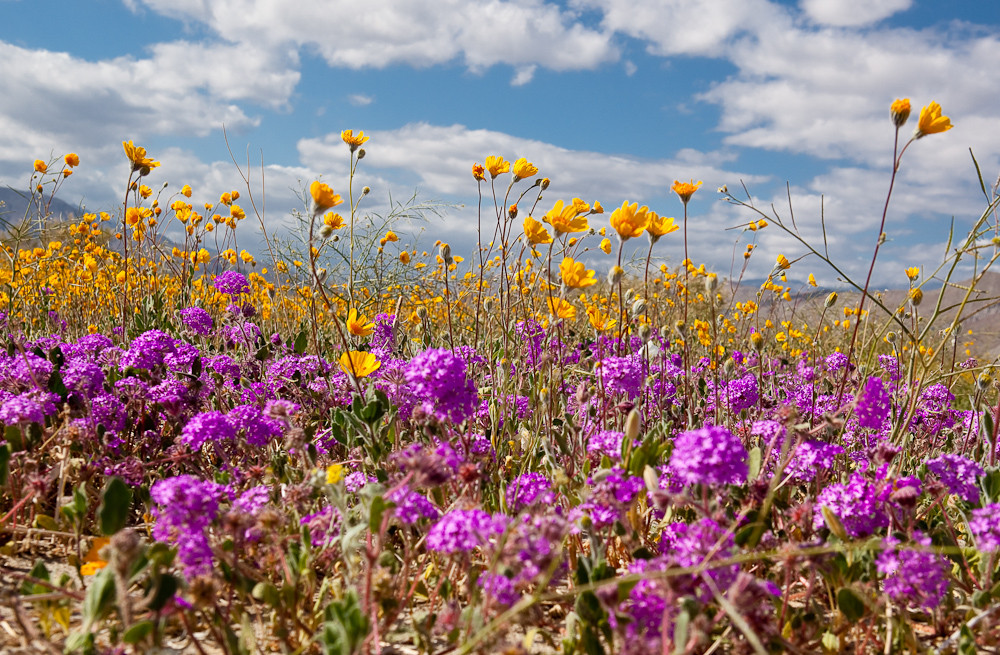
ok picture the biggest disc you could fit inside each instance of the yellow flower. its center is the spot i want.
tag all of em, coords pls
(630, 221)
(354, 141)
(186, 190)
(478, 172)
(496, 165)
(606, 246)
(562, 309)
(323, 196)
(597, 207)
(535, 232)
(41, 166)
(246, 257)
(900, 111)
(660, 226)
(404, 257)
(523, 168)
(575, 275)
(685, 189)
(72, 159)
(812, 280)
(568, 218)
(333, 221)
(391, 237)
(358, 363)
(359, 326)
(137, 155)
(334, 473)
(931, 121)
(913, 273)
(599, 320)
(783, 262)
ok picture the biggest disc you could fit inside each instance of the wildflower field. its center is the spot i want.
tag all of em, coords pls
(344, 443)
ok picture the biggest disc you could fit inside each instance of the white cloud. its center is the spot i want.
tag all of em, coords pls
(360, 99)
(523, 75)
(843, 13)
(409, 32)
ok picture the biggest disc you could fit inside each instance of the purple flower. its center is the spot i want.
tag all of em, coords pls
(148, 350)
(710, 455)
(29, 407)
(412, 506)
(84, 377)
(324, 526)
(207, 426)
(611, 497)
(253, 500)
(607, 443)
(695, 544)
(622, 375)
(873, 405)
(231, 282)
(959, 474)
(185, 507)
(258, 428)
(985, 527)
(438, 378)
(836, 361)
(809, 458)
(527, 489)
(197, 320)
(463, 530)
(354, 482)
(858, 505)
(742, 393)
(384, 336)
(913, 577)
(500, 588)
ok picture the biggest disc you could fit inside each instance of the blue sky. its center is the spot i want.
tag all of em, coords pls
(612, 99)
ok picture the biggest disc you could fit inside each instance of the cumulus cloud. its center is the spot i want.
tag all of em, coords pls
(360, 99)
(843, 13)
(410, 32)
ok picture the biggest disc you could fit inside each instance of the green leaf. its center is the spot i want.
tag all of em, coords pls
(301, 341)
(833, 522)
(4, 463)
(754, 463)
(138, 632)
(100, 597)
(850, 604)
(166, 587)
(12, 435)
(116, 500)
(375, 518)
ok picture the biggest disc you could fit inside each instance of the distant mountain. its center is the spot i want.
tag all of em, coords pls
(15, 205)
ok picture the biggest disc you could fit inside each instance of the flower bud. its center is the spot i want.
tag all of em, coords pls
(615, 275)
(446, 254)
(422, 312)
(645, 331)
(711, 282)
(830, 300)
(361, 153)
(366, 190)
(632, 424)
(757, 341)
(326, 231)
(680, 327)
(983, 381)
(544, 183)
(916, 297)
(638, 307)
(321, 275)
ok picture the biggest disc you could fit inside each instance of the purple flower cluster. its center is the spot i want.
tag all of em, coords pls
(207, 426)
(914, 577)
(527, 489)
(383, 336)
(412, 506)
(611, 497)
(185, 507)
(858, 504)
(959, 474)
(873, 405)
(809, 458)
(710, 455)
(197, 320)
(622, 375)
(232, 283)
(462, 530)
(985, 527)
(608, 442)
(742, 393)
(438, 378)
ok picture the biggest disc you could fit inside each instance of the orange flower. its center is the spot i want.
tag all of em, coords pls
(685, 189)
(630, 221)
(496, 165)
(41, 166)
(354, 141)
(660, 226)
(568, 218)
(186, 190)
(404, 257)
(478, 172)
(137, 155)
(333, 221)
(562, 309)
(535, 232)
(931, 121)
(358, 363)
(575, 275)
(359, 326)
(523, 168)
(323, 196)
(900, 111)
(72, 159)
